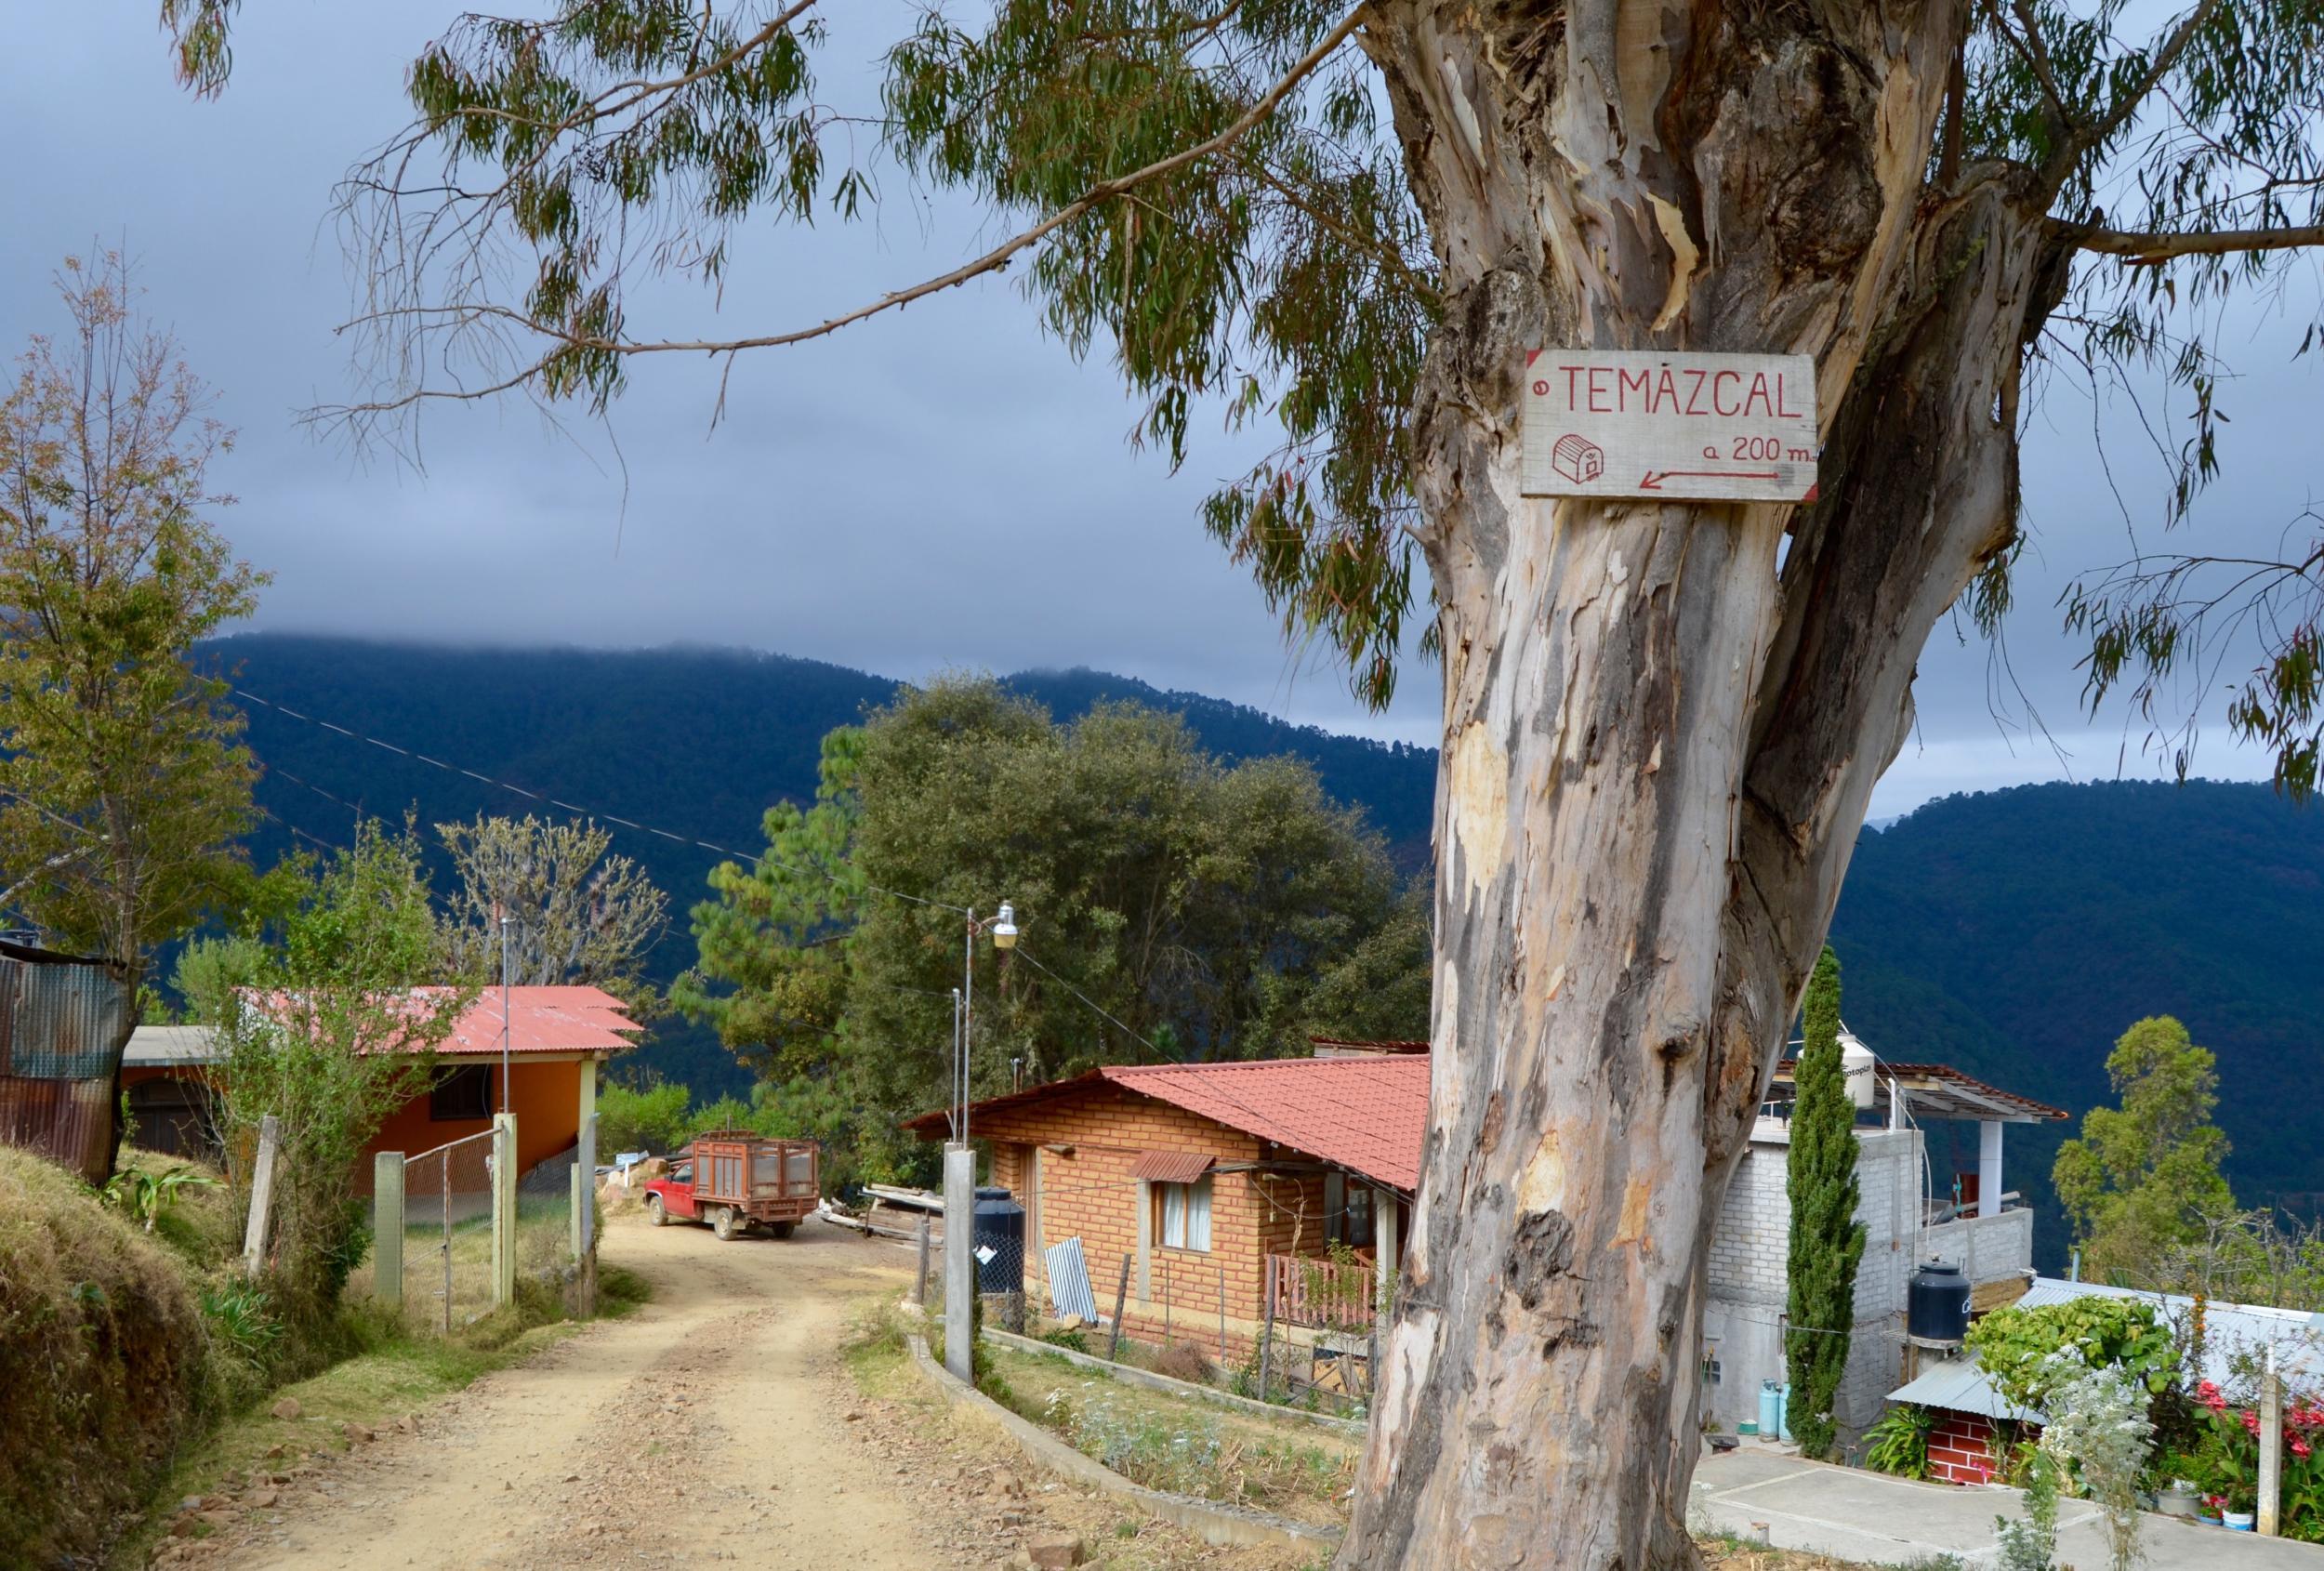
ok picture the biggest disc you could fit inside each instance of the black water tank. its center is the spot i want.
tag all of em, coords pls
(1936, 1303)
(1001, 1229)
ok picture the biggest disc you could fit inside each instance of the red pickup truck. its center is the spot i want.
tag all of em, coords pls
(736, 1181)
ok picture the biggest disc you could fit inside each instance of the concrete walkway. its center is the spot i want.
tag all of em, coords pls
(1880, 1521)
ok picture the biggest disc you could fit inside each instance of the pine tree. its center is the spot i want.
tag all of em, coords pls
(1827, 1240)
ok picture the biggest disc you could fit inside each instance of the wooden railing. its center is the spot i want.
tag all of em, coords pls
(1311, 1290)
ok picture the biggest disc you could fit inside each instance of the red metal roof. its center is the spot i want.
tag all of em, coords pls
(1365, 1114)
(1171, 1166)
(541, 1020)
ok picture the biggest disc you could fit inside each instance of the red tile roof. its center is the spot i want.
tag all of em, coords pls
(1366, 1114)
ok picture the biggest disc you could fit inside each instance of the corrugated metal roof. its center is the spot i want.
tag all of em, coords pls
(541, 1020)
(2231, 1332)
(1170, 1166)
(1960, 1384)
(1938, 1090)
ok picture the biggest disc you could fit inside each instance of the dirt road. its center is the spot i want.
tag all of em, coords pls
(716, 1423)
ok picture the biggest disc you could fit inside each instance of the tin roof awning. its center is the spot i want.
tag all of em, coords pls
(1938, 1090)
(1171, 1166)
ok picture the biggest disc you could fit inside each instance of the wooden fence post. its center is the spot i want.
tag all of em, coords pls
(2271, 1438)
(1221, 1317)
(386, 1228)
(1121, 1297)
(261, 1195)
(919, 1285)
(1267, 1343)
(504, 1208)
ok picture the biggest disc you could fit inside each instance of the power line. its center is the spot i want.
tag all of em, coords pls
(758, 858)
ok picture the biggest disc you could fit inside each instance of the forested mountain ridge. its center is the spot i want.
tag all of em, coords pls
(2017, 933)
(2014, 935)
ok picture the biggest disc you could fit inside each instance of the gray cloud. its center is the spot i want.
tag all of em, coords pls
(943, 486)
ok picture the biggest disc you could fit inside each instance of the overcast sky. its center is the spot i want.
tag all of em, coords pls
(939, 487)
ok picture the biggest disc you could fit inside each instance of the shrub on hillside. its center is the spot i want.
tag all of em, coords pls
(104, 1359)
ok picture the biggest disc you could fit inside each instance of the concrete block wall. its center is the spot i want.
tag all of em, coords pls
(1749, 1287)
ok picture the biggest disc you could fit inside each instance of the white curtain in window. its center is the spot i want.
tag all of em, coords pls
(1186, 1216)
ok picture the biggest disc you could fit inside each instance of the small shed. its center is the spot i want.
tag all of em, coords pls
(64, 1020)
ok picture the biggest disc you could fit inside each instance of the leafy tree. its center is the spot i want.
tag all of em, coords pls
(582, 917)
(1167, 903)
(1827, 1240)
(773, 971)
(1662, 719)
(318, 1024)
(123, 781)
(2145, 1177)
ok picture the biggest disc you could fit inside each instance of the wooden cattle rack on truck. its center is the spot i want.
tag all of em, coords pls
(736, 1181)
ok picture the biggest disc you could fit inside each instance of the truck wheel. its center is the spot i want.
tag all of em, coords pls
(653, 1216)
(723, 1223)
(782, 1229)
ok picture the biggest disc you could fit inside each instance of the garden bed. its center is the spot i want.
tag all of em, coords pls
(1181, 1446)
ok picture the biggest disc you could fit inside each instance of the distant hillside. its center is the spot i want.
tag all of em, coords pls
(695, 742)
(2015, 934)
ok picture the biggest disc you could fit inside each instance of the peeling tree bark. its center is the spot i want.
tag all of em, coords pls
(1658, 746)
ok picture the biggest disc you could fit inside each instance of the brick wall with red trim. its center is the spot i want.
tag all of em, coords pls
(1960, 1446)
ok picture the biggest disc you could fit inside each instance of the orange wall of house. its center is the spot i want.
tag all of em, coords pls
(545, 1097)
(1092, 1194)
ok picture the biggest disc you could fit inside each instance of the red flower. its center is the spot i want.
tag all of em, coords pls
(2250, 1421)
(2300, 1447)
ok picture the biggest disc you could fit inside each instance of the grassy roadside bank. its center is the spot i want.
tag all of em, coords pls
(138, 1365)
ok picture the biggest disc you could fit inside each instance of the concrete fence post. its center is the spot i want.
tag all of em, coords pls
(254, 1239)
(504, 1208)
(585, 1214)
(386, 1228)
(959, 1262)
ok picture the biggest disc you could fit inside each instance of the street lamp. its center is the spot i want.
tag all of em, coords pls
(960, 1160)
(1003, 928)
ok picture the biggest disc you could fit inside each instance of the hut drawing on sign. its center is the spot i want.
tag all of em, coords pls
(1578, 458)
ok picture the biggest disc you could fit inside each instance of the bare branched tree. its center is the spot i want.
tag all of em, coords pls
(577, 915)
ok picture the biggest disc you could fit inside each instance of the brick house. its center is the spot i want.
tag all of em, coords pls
(1217, 1184)
(1221, 1183)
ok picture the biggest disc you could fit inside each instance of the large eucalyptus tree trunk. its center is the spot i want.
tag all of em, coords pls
(1661, 729)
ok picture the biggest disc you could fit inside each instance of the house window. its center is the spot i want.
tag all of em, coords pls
(1185, 1214)
(1347, 1211)
(464, 1092)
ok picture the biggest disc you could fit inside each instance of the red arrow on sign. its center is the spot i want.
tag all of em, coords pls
(1653, 477)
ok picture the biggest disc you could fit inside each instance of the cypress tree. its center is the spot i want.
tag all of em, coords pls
(1827, 1240)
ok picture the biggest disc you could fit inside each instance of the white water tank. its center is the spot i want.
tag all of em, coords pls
(1856, 1069)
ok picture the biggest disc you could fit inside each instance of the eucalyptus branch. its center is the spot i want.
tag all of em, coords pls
(2095, 133)
(2149, 249)
(994, 260)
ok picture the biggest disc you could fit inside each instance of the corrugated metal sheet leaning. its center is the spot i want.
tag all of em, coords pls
(64, 1020)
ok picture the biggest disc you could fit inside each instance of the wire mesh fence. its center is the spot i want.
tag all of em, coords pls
(448, 1235)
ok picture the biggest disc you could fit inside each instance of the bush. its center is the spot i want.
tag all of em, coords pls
(1184, 1361)
(104, 1361)
(1073, 1341)
(1899, 1443)
(650, 1117)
